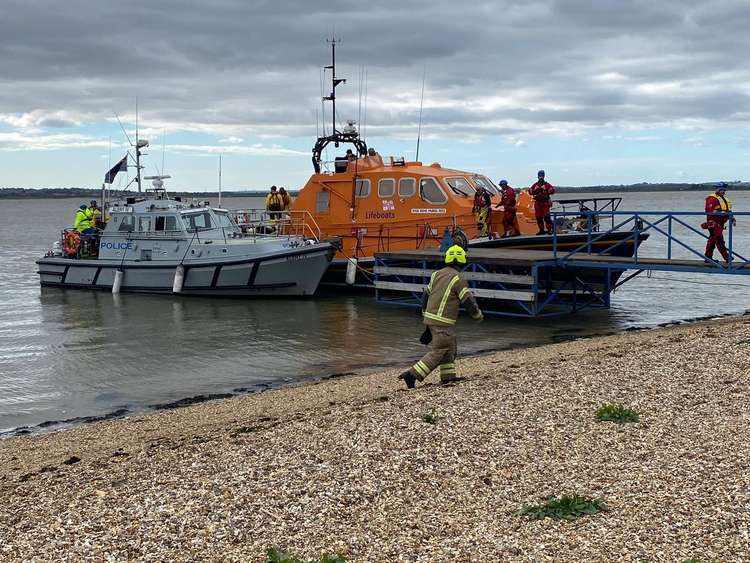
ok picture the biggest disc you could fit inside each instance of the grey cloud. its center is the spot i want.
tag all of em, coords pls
(247, 68)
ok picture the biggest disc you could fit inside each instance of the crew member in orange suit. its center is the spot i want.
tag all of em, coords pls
(717, 204)
(542, 191)
(508, 203)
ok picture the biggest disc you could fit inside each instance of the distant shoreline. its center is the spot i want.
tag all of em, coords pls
(65, 193)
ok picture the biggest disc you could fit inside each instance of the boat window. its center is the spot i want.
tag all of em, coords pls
(165, 223)
(386, 187)
(200, 221)
(407, 187)
(431, 192)
(144, 224)
(362, 189)
(223, 218)
(322, 201)
(485, 182)
(460, 186)
(127, 225)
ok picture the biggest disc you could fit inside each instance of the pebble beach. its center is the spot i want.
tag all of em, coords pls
(359, 466)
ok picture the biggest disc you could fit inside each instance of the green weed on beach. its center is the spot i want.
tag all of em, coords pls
(564, 508)
(277, 556)
(430, 417)
(616, 413)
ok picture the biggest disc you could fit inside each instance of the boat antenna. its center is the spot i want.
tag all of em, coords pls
(364, 113)
(219, 180)
(139, 144)
(334, 81)
(421, 105)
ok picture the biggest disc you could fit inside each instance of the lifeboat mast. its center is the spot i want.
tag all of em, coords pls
(349, 135)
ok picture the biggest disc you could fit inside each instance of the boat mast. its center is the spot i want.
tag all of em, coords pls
(349, 134)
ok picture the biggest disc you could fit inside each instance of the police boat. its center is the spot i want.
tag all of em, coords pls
(160, 244)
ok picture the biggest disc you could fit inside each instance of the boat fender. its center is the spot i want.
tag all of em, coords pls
(351, 270)
(179, 279)
(119, 274)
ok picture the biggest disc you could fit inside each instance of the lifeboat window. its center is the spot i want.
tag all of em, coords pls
(127, 225)
(407, 187)
(431, 192)
(362, 189)
(460, 186)
(322, 201)
(484, 182)
(386, 187)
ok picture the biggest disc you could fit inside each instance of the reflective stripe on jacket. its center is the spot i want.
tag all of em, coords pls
(445, 294)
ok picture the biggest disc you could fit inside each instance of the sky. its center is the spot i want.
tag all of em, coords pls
(594, 92)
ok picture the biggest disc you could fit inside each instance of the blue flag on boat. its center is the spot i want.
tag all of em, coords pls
(121, 166)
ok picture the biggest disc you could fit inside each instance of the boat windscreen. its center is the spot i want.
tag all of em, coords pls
(225, 221)
(485, 182)
(197, 221)
(460, 186)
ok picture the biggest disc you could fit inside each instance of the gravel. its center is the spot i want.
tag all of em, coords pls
(349, 466)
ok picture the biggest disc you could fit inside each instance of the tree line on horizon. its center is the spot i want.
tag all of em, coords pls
(52, 193)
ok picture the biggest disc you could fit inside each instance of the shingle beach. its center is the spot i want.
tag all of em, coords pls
(349, 466)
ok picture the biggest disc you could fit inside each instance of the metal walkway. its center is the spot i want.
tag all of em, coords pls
(530, 283)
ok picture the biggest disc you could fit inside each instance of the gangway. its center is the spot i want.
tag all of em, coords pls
(530, 283)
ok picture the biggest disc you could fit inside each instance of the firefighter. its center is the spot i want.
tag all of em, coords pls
(717, 205)
(481, 209)
(445, 294)
(508, 203)
(542, 191)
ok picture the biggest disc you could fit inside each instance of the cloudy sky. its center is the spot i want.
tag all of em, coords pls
(597, 91)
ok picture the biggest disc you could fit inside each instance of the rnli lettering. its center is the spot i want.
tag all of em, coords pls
(380, 215)
(428, 210)
(116, 245)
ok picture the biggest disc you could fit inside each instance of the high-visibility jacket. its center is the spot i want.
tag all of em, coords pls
(82, 220)
(274, 202)
(94, 215)
(443, 297)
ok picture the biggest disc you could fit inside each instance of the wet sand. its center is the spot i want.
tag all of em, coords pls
(349, 466)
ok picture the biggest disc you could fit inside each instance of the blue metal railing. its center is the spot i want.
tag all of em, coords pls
(674, 226)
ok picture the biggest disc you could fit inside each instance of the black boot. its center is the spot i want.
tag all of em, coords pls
(409, 379)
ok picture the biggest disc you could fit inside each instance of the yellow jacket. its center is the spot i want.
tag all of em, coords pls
(274, 202)
(82, 220)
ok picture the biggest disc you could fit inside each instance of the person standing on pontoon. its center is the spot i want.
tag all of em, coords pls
(718, 208)
(542, 191)
(508, 203)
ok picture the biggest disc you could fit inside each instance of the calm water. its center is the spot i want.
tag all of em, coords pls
(67, 353)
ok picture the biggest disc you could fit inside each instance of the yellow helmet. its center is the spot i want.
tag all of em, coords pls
(455, 253)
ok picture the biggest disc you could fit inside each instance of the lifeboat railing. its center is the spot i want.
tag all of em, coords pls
(260, 222)
(676, 241)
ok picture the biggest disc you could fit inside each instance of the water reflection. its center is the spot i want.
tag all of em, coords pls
(66, 353)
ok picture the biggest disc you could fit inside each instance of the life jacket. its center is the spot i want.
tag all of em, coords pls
(724, 204)
(274, 202)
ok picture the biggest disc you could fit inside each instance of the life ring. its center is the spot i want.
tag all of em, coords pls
(71, 243)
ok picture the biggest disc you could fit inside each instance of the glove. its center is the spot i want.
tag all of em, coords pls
(478, 317)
